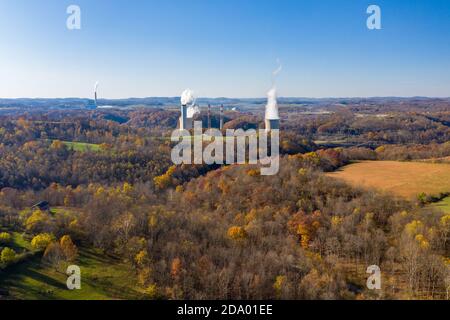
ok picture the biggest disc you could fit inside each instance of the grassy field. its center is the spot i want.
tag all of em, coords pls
(81, 146)
(102, 278)
(19, 243)
(443, 205)
(405, 179)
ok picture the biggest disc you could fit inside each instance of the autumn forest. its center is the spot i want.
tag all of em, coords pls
(98, 189)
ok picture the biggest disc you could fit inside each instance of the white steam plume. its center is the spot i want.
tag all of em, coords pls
(272, 105)
(192, 111)
(187, 97)
(96, 86)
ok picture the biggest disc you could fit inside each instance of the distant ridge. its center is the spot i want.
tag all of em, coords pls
(61, 103)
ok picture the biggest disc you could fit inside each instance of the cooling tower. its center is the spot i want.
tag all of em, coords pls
(272, 117)
(272, 124)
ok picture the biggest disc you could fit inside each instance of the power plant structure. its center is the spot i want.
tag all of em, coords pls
(93, 104)
(185, 122)
(221, 117)
(272, 124)
(272, 117)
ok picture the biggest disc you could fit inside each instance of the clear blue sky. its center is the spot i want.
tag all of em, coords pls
(224, 48)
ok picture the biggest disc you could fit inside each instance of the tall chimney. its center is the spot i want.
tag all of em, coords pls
(221, 117)
(183, 117)
(95, 98)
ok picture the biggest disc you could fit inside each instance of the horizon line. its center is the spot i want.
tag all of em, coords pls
(238, 98)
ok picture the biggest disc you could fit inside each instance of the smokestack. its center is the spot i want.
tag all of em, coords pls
(209, 116)
(187, 113)
(95, 93)
(221, 117)
(183, 118)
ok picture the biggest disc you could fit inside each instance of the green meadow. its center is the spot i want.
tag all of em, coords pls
(82, 146)
(102, 278)
(443, 205)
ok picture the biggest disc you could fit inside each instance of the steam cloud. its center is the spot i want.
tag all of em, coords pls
(192, 111)
(188, 97)
(272, 105)
(96, 86)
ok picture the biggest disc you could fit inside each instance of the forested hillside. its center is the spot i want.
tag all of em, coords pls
(143, 228)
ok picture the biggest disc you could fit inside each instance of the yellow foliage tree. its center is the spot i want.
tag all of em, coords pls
(422, 241)
(36, 219)
(236, 233)
(56, 144)
(152, 291)
(303, 231)
(445, 221)
(253, 172)
(5, 237)
(8, 255)
(41, 241)
(278, 285)
(445, 227)
(141, 258)
(336, 221)
(414, 227)
(127, 188)
(380, 149)
(163, 181)
(152, 221)
(68, 248)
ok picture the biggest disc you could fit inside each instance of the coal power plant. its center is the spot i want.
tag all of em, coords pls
(189, 109)
(272, 118)
(183, 118)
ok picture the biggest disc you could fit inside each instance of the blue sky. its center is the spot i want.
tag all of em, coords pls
(224, 48)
